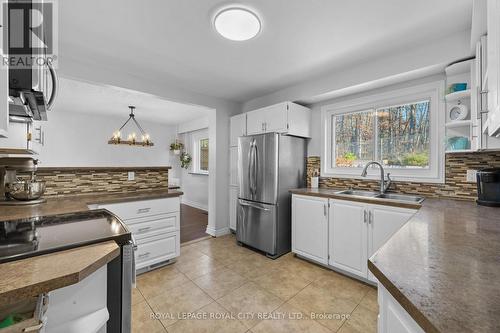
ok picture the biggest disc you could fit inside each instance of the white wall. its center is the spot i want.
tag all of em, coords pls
(194, 186)
(72, 65)
(421, 57)
(77, 139)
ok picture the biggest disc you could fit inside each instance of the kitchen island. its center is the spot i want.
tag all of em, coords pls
(70, 249)
(442, 266)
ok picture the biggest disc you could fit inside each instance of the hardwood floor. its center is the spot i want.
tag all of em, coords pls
(193, 223)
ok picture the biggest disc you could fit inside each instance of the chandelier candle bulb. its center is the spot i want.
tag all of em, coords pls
(132, 137)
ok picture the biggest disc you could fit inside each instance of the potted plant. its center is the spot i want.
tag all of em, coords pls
(176, 147)
(185, 160)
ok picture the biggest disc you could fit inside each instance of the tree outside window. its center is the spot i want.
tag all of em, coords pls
(397, 136)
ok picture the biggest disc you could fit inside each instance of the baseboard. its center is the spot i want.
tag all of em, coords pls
(217, 233)
(194, 204)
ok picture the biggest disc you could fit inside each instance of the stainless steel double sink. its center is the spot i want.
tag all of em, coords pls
(385, 196)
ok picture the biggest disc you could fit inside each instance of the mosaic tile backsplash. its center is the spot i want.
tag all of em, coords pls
(455, 185)
(75, 181)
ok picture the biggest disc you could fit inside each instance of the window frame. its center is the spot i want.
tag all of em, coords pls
(196, 139)
(433, 92)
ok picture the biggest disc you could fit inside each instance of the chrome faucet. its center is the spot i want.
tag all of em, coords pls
(384, 185)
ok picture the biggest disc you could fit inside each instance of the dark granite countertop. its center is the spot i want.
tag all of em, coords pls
(331, 193)
(443, 266)
(79, 203)
(33, 276)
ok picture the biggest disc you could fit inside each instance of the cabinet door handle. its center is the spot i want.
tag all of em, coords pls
(324, 210)
(143, 210)
(143, 229)
(144, 255)
(364, 216)
(370, 217)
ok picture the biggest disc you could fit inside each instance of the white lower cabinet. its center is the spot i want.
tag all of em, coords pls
(81, 307)
(343, 234)
(348, 237)
(392, 316)
(155, 225)
(383, 223)
(310, 227)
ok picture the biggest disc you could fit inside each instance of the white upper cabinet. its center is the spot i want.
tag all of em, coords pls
(310, 227)
(238, 127)
(493, 58)
(348, 237)
(287, 117)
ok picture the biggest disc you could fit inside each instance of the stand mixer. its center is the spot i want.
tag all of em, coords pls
(18, 184)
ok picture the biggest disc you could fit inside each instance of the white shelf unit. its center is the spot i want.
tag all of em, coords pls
(459, 123)
(458, 95)
(459, 73)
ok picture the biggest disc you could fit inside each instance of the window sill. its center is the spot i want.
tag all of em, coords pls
(376, 177)
(198, 173)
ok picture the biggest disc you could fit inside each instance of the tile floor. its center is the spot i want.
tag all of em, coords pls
(217, 286)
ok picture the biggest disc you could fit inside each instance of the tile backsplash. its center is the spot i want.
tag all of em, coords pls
(77, 181)
(455, 185)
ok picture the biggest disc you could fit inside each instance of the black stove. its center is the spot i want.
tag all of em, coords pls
(25, 238)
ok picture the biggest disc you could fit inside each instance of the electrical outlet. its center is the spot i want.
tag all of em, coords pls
(131, 175)
(471, 176)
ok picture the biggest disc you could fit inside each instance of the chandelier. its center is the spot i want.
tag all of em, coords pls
(132, 140)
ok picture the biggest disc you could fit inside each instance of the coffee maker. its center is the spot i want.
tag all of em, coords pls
(18, 183)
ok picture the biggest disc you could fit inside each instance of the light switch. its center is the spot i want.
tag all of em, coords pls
(131, 175)
(471, 176)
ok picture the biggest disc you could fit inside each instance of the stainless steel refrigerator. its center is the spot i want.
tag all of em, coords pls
(269, 165)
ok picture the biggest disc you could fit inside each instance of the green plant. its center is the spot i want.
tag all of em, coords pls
(416, 159)
(176, 145)
(185, 159)
(350, 156)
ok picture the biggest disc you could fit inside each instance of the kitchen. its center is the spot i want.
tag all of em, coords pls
(345, 172)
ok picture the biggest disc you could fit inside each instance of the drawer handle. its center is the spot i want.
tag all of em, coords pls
(143, 210)
(141, 230)
(144, 255)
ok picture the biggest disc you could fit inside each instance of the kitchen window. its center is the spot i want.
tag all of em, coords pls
(398, 129)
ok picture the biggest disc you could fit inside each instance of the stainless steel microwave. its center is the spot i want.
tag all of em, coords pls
(32, 88)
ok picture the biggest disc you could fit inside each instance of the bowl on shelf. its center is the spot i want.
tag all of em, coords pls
(461, 86)
(458, 143)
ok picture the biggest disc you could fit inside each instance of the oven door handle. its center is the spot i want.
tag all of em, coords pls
(134, 249)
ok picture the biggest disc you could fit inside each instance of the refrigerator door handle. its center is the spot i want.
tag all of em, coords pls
(255, 168)
(250, 160)
(252, 168)
(244, 203)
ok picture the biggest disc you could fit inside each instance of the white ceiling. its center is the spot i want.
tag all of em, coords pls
(173, 40)
(90, 98)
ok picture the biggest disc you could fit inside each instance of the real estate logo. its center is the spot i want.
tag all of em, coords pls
(29, 33)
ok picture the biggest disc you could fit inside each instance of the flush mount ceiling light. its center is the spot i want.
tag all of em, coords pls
(145, 141)
(237, 24)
